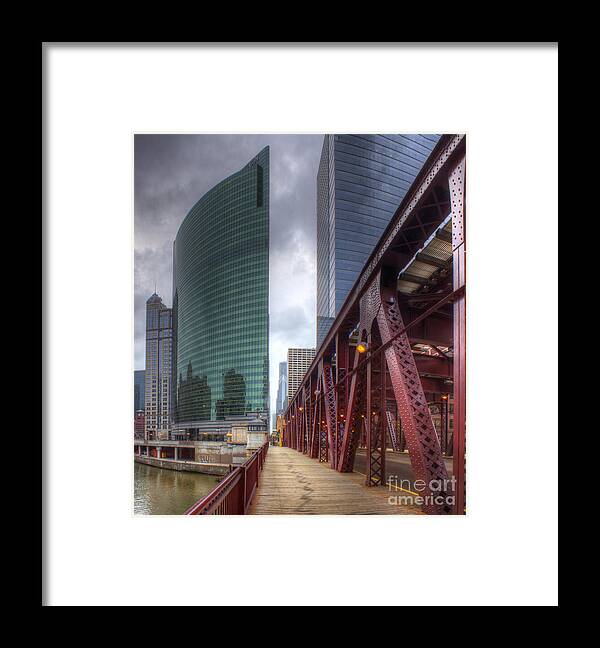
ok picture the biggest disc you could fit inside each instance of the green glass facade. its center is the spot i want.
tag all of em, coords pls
(221, 300)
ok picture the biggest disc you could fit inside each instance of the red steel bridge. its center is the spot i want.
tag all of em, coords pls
(398, 345)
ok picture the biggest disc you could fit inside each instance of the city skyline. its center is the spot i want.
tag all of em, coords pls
(173, 171)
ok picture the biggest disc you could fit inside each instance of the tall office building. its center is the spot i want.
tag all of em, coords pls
(298, 362)
(221, 302)
(360, 183)
(159, 340)
(139, 390)
(281, 388)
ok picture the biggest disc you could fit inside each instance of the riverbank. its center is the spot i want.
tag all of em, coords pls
(184, 466)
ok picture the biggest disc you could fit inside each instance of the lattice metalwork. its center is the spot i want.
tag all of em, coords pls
(391, 424)
(356, 410)
(330, 412)
(375, 428)
(313, 449)
(323, 445)
(423, 445)
(307, 419)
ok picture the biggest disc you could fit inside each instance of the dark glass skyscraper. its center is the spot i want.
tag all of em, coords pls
(360, 183)
(221, 300)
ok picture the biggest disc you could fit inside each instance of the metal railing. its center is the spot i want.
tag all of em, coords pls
(233, 495)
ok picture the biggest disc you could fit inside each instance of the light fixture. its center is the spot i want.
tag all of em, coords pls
(362, 347)
(354, 336)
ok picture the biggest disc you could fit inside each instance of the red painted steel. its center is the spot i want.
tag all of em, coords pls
(354, 418)
(421, 438)
(330, 413)
(354, 401)
(234, 494)
(456, 182)
(323, 441)
(391, 423)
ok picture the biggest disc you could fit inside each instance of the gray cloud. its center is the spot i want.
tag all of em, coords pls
(173, 171)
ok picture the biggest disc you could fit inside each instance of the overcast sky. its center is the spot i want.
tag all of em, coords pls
(173, 171)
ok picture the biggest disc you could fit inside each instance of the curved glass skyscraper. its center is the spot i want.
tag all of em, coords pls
(221, 300)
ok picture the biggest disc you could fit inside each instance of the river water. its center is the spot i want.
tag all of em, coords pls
(168, 492)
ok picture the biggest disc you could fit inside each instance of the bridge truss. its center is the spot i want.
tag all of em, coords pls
(408, 308)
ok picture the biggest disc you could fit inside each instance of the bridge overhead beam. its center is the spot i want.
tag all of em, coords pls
(436, 330)
(434, 365)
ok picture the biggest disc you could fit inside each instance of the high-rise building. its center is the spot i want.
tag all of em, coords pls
(360, 183)
(298, 362)
(159, 340)
(139, 390)
(221, 302)
(281, 388)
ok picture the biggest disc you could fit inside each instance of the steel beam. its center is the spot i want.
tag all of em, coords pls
(456, 181)
(330, 412)
(422, 441)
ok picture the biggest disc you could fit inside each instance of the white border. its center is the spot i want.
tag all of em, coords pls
(505, 551)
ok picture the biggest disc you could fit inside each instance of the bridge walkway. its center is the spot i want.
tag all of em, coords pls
(293, 484)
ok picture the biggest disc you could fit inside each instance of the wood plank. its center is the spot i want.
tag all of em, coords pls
(293, 484)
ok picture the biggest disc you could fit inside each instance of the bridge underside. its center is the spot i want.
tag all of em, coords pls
(407, 389)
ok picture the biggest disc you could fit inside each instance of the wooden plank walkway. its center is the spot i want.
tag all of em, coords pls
(293, 484)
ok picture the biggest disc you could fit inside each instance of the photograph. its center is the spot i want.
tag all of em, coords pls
(286, 290)
(299, 324)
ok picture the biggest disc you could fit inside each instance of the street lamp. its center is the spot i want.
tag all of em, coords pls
(362, 347)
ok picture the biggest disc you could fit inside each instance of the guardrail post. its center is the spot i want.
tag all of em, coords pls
(243, 491)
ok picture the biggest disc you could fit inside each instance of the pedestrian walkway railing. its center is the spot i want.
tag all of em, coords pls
(233, 495)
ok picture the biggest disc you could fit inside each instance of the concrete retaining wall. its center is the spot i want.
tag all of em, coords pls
(186, 466)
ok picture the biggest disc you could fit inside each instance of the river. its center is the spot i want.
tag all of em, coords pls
(168, 492)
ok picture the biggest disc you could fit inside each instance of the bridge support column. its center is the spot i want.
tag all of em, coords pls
(456, 181)
(423, 445)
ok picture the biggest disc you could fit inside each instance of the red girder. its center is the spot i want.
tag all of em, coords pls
(376, 435)
(330, 412)
(391, 423)
(354, 413)
(423, 445)
(307, 419)
(456, 182)
(313, 449)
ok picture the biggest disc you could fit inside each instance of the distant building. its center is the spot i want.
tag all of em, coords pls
(257, 433)
(298, 362)
(221, 306)
(159, 339)
(360, 183)
(139, 425)
(139, 389)
(281, 388)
